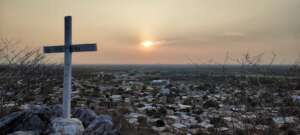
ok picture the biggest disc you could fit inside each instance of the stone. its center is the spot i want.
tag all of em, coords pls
(22, 121)
(61, 126)
(45, 120)
(85, 115)
(9, 121)
(45, 112)
(24, 133)
(102, 125)
(31, 122)
(56, 110)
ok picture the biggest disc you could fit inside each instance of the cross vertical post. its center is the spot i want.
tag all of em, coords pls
(68, 48)
(67, 68)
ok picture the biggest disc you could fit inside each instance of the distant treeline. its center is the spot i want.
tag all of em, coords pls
(281, 70)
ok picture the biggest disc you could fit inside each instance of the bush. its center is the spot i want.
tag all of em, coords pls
(24, 74)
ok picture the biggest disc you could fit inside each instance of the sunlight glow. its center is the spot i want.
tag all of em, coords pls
(147, 44)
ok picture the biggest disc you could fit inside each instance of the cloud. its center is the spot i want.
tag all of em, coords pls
(181, 42)
(161, 42)
(234, 34)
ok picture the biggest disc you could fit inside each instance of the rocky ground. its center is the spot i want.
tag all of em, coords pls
(37, 119)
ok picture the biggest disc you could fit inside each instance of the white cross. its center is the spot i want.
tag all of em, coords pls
(68, 48)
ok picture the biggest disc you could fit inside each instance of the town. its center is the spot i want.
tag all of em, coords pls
(184, 99)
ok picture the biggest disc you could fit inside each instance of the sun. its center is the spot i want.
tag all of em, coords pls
(147, 44)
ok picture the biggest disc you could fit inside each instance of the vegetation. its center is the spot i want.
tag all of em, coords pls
(25, 76)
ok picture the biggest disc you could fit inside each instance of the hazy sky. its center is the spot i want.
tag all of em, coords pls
(200, 30)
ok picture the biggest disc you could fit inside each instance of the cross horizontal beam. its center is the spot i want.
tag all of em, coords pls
(74, 48)
(83, 48)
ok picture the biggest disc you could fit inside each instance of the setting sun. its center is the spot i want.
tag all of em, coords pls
(147, 44)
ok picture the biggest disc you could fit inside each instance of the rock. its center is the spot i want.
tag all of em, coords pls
(45, 112)
(94, 124)
(61, 126)
(46, 120)
(31, 122)
(56, 111)
(22, 121)
(85, 115)
(8, 122)
(102, 125)
(24, 133)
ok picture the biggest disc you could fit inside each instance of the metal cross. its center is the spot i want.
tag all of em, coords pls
(68, 48)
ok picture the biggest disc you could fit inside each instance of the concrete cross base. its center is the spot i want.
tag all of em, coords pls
(66, 126)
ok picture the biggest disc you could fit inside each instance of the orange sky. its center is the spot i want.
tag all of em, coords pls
(200, 30)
